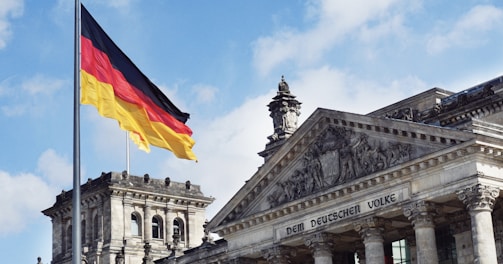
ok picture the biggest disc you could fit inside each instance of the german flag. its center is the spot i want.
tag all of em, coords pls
(118, 89)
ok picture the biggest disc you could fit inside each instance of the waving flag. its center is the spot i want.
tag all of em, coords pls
(119, 90)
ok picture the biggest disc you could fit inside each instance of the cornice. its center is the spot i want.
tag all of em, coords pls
(472, 110)
(135, 194)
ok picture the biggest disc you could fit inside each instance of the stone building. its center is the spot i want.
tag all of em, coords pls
(129, 219)
(418, 181)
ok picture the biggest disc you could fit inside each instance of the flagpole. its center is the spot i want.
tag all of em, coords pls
(76, 228)
(127, 152)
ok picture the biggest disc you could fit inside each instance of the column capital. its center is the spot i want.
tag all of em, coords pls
(479, 197)
(369, 222)
(278, 254)
(370, 229)
(320, 243)
(421, 213)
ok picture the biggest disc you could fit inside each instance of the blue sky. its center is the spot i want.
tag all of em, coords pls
(220, 61)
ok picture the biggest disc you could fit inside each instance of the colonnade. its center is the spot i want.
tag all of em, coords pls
(478, 199)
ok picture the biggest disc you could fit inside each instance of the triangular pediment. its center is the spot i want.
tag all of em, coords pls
(330, 149)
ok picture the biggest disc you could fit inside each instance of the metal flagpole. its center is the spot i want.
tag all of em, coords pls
(76, 228)
(127, 152)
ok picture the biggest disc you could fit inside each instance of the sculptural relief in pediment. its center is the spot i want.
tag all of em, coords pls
(337, 156)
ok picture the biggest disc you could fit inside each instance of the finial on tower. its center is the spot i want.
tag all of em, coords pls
(283, 86)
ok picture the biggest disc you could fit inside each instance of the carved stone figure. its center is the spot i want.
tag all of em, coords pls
(337, 156)
(408, 114)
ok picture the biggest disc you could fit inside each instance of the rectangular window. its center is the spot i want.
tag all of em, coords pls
(401, 252)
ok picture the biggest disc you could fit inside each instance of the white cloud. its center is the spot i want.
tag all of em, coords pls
(393, 25)
(117, 3)
(23, 196)
(56, 168)
(8, 9)
(343, 91)
(41, 84)
(172, 93)
(32, 96)
(468, 30)
(335, 20)
(237, 137)
(106, 135)
(14, 110)
(204, 93)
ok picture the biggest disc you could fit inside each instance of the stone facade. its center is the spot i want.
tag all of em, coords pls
(129, 219)
(418, 181)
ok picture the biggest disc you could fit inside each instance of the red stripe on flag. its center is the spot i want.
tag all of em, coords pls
(97, 63)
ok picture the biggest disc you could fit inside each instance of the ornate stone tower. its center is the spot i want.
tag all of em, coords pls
(285, 110)
(127, 219)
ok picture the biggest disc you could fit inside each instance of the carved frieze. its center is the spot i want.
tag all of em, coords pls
(337, 156)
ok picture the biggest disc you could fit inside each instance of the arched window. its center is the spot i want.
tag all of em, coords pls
(178, 228)
(95, 228)
(157, 227)
(135, 224)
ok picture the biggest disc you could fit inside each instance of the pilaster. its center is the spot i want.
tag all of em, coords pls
(147, 227)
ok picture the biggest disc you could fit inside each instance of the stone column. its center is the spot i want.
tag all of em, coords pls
(147, 227)
(321, 245)
(371, 230)
(168, 226)
(278, 254)
(421, 214)
(479, 201)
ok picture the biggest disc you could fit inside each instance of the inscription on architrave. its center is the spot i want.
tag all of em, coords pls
(339, 213)
(337, 156)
